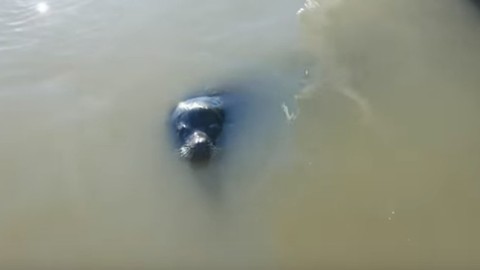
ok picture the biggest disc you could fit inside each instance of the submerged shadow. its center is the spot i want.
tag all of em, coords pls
(209, 180)
(476, 3)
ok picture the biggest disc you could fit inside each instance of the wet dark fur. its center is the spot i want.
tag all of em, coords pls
(197, 125)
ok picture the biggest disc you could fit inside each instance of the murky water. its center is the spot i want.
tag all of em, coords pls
(377, 166)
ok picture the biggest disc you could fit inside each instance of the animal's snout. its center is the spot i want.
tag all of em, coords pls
(200, 138)
(201, 147)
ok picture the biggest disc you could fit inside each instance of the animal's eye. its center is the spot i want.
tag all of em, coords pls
(214, 128)
(182, 130)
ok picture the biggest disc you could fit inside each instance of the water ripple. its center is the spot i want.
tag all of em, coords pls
(24, 23)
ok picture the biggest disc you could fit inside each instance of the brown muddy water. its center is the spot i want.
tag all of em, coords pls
(375, 164)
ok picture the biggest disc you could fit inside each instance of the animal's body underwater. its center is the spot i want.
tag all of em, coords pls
(236, 122)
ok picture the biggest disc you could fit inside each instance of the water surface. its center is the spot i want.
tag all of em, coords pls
(377, 165)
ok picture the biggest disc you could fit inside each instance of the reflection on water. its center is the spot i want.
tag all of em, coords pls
(42, 7)
(377, 169)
